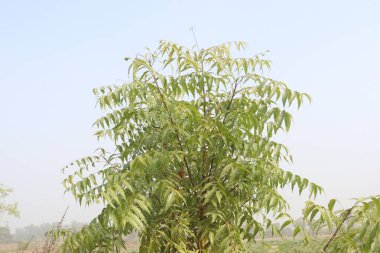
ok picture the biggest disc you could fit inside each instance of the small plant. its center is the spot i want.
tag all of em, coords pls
(356, 229)
(50, 239)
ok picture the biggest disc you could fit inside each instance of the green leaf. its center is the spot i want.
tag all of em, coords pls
(288, 119)
(296, 231)
(286, 223)
(331, 204)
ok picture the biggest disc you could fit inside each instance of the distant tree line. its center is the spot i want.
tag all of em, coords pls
(30, 232)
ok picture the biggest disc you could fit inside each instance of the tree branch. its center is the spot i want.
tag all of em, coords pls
(224, 119)
(336, 230)
(176, 130)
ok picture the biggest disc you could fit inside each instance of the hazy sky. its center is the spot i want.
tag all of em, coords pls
(52, 53)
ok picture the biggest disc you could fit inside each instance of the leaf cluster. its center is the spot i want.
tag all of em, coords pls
(356, 229)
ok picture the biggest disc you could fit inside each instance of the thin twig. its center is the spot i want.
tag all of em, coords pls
(195, 38)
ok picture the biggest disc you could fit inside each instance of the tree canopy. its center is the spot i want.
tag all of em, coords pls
(196, 167)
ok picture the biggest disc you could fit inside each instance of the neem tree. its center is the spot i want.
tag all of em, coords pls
(195, 167)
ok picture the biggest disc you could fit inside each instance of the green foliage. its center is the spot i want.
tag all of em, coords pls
(8, 209)
(356, 229)
(195, 166)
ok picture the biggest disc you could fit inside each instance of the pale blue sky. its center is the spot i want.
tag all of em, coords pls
(52, 53)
